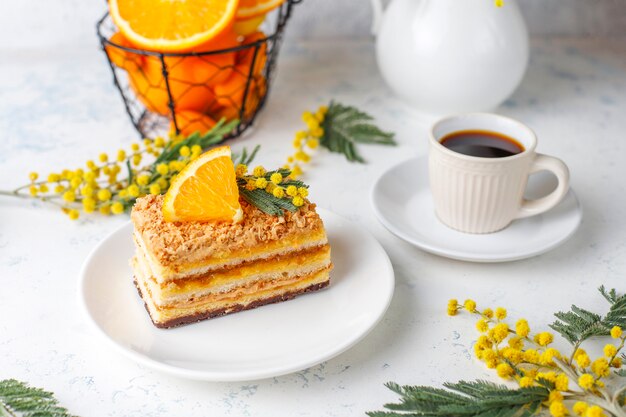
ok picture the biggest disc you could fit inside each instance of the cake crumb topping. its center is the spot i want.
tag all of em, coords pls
(169, 241)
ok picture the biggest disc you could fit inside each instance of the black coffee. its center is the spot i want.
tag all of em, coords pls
(482, 143)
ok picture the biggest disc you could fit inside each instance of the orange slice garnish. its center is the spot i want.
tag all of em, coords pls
(205, 190)
(252, 8)
(172, 26)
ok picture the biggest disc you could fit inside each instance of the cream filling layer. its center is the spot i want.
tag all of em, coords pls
(225, 303)
(162, 273)
(276, 269)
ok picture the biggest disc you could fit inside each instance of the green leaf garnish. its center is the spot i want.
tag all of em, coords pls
(579, 324)
(346, 126)
(18, 399)
(464, 399)
(264, 198)
(245, 158)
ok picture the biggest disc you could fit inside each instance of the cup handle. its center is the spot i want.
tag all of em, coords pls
(558, 168)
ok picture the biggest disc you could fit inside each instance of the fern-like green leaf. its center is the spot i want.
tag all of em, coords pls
(266, 201)
(244, 157)
(17, 398)
(617, 313)
(579, 325)
(464, 399)
(212, 137)
(611, 296)
(345, 126)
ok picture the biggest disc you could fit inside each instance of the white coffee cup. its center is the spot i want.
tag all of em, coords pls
(483, 195)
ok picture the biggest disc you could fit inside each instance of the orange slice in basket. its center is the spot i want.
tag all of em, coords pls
(190, 122)
(121, 58)
(252, 8)
(205, 190)
(245, 27)
(245, 56)
(172, 26)
(231, 92)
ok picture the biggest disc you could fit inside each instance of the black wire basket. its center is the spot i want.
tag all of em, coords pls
(184, 92)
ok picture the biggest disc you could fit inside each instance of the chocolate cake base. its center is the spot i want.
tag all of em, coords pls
(234, 309)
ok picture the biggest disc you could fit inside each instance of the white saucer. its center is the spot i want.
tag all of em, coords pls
(261, 343)
(403, 204)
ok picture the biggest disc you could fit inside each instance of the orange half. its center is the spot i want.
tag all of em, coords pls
(172, 26)
(205, 190)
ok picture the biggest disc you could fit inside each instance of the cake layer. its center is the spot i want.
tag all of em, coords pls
(190, 271)
(222, 304)
(244, 292)
(162, 273)
(188, 247)
(296, 263)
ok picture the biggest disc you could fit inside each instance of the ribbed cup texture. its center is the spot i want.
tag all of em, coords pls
(475, 195)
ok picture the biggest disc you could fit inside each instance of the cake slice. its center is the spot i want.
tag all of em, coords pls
(191, 271)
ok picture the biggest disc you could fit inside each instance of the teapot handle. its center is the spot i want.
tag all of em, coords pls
(377, 15)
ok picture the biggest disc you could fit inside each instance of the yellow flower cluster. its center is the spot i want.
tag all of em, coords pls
(616, 332)
(98, 187)
(272, 182)
(453, 307)
(515, 353)
(306, 140)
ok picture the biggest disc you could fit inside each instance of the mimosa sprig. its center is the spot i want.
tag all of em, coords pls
(112, 184)
(99, 188)
(549, 381)
(339, 129)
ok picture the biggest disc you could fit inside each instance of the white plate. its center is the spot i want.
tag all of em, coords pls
(403, 204)
(268, 341)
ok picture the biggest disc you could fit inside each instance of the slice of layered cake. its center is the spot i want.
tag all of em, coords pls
(187, 271)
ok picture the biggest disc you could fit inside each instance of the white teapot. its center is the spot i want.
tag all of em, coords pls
(451, 56)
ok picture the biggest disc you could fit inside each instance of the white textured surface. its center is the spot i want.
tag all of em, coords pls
(60, 109)
(67, 23)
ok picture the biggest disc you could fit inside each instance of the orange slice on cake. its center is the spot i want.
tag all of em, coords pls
(172, 26)
(254, 8)
(205, 190)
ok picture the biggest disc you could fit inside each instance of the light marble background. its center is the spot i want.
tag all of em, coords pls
(61, 110)
(58, 108)
(66, 23)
